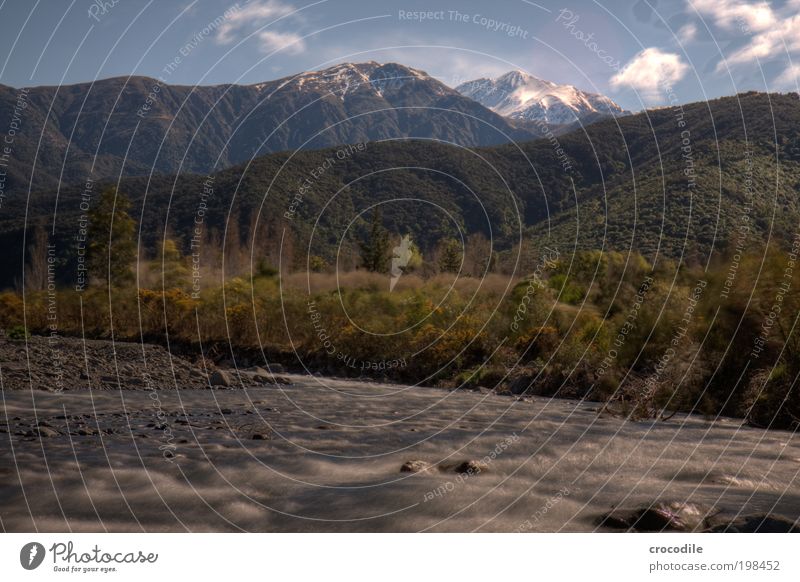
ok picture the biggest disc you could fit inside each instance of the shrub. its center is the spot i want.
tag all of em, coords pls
(17, 333)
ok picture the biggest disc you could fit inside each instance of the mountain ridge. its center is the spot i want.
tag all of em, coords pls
(135, 125)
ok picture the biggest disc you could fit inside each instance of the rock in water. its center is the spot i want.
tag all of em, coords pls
(415, 466)
(660, 516)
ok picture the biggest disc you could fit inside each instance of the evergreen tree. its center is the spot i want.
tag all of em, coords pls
(375, 249)
(112, 248)
(450, 256)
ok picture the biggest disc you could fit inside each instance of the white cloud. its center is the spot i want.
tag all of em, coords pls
(762, 46)
(687, 33)
(772, 32)
(289, 42)
(252, 15)
(650, 71)
(772, 43)
(448, 65)
(735, 14)
(789, 79)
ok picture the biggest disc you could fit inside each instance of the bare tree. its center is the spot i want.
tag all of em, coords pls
(36, 268)
(477, 255)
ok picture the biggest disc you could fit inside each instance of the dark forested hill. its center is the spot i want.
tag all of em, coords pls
(675, 181)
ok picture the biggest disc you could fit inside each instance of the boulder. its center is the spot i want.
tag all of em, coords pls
(276, 368)
(262, 376)
(661, 516)
(416, 466)
(221, 378)
(44, 432)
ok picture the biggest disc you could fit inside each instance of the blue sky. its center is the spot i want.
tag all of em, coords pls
(638, 52)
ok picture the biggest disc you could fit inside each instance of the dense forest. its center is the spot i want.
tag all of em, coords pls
(674, 182)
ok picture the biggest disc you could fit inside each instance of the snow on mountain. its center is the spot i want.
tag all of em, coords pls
(344, 79)
(522, 96)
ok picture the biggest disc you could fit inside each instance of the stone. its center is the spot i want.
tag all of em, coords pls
(260, 375)
(661, 516)
(416, 466)
(44, 431)
(221, 378)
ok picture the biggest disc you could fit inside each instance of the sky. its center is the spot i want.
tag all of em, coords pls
(641, 53)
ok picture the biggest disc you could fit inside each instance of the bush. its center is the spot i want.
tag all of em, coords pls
(17, 333)
(773, 400)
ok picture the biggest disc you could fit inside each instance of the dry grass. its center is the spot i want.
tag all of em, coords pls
(327, 282)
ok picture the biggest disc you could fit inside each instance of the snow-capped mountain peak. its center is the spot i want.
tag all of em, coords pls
(519, 95)
(345, 79)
